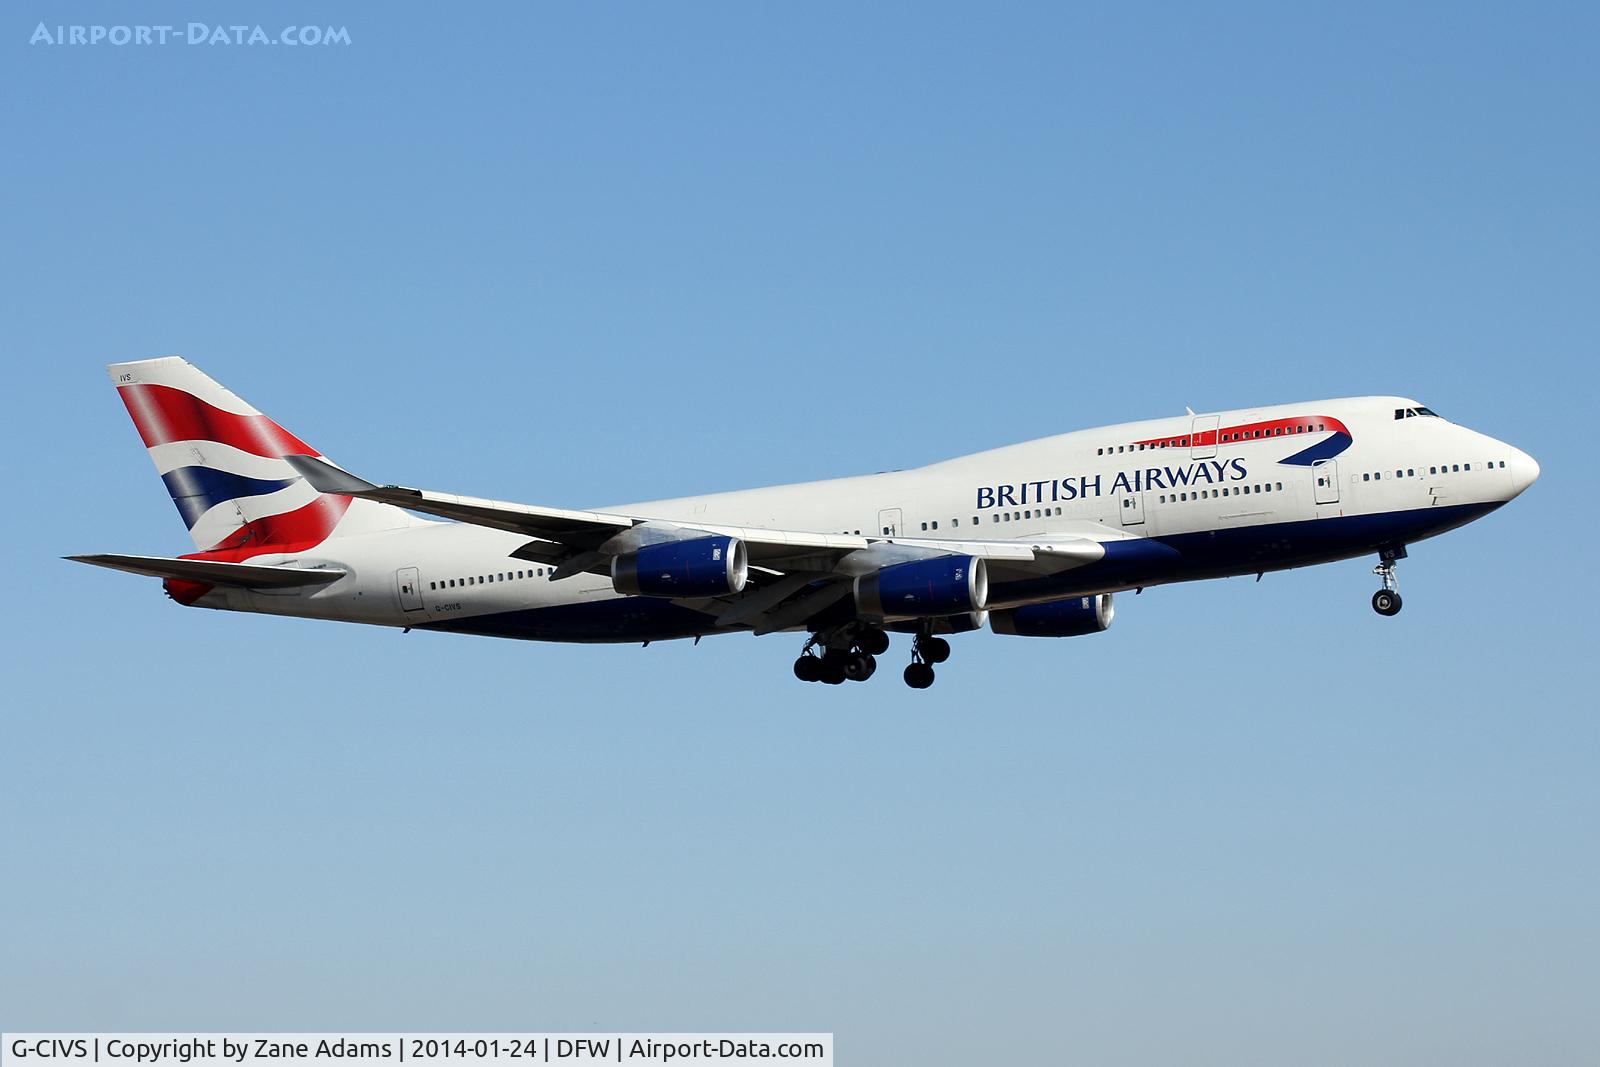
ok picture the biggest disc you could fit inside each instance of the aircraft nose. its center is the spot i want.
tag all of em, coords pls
(1524, 470)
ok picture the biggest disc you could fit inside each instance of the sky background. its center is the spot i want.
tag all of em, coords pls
(578, 254)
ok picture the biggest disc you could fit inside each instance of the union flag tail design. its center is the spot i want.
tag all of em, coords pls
(222, 462)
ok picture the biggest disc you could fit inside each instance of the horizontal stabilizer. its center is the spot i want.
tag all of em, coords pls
(245, 575)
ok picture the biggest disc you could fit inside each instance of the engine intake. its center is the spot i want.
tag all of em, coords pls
(944, 585)
(704, 566)
(1059, 618)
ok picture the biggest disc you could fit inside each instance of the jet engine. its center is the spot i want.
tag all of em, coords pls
(943, 585)
(1058, 618)
(704, 566)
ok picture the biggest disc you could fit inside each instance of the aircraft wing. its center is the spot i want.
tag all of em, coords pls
(589, 531)
(788, 564)
(246, 575)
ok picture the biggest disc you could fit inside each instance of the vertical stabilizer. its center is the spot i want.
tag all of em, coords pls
(222, 462)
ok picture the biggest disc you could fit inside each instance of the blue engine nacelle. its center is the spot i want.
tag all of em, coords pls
(1059, 618)
(705, 566)
(944, 585)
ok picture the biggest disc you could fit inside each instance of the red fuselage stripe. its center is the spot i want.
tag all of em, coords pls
(1250, 431)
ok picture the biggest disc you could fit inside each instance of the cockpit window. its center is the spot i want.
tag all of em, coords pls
(1411, 413)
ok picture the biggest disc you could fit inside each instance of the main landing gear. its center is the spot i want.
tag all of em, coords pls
(850, 654)
(846, 655)
(925, 652)
(1386, 601)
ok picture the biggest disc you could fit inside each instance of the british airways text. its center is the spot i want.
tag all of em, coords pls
(1053, 490)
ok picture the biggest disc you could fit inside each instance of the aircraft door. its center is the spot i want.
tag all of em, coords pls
(1132, 509)
(409, 585)
(1325, 481)
(889, 521)
(1203, 436)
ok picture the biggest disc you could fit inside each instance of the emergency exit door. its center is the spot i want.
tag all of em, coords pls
(889, 522)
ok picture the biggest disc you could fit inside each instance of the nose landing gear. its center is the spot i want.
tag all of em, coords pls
(1386, 601)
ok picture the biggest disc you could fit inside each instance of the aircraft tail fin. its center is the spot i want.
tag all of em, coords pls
(222, 462)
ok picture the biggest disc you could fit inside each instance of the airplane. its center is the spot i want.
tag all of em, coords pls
(1032, 539)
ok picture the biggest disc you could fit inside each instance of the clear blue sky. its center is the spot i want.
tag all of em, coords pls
(576, 254)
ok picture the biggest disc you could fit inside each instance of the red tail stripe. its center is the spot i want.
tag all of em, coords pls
(164, 414)
(293, 531)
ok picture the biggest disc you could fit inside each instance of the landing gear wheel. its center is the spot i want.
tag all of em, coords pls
(833, 667)
(934, 649)
(1386, 601)
(919, 676)
(859, 667)
(808, 668)
(874, 642)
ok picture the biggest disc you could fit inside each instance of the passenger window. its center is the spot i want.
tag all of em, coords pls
(1455, 467)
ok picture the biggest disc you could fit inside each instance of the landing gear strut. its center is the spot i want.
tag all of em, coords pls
(1386, 601)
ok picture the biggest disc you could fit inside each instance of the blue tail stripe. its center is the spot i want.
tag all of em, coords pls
(197, 490)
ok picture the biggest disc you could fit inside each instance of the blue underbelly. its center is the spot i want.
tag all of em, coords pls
(1139, 562)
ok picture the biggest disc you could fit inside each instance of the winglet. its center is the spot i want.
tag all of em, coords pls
(324, 477)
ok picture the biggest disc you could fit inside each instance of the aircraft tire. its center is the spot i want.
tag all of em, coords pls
(860, 666)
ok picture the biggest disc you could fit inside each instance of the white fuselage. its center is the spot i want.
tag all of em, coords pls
(1216, 488)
